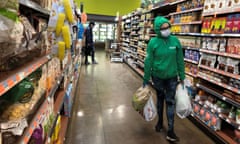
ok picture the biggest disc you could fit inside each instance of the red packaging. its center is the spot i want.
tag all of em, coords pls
(236, 24)
(229, 24)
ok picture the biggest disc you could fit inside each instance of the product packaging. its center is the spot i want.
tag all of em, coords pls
(60, 23)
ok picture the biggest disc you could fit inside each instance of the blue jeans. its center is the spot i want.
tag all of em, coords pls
(166, 89)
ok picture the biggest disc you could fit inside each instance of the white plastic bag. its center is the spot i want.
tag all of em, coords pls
(183, 102)
(149, 111)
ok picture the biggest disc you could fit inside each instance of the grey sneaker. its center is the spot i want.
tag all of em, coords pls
(94, 62)
(171, 136)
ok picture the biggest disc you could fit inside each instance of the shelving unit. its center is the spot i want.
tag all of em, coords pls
(56, 79)
(193, 51)
(7, 81)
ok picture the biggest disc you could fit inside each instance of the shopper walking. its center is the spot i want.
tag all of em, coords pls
(165, 65)
(90, 49)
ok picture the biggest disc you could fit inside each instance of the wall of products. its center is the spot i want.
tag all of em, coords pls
(209, 34)
(39, 69)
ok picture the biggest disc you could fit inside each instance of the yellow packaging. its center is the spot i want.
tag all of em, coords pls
(68, 10)
(66, 36)
(60, 23)
(61, 50)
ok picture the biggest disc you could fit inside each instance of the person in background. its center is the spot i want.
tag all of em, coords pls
(80, 33)
(164, 63)
(90, 50)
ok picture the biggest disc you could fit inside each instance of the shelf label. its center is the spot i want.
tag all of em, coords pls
(228, 120)
(230, 88)
(224, 98)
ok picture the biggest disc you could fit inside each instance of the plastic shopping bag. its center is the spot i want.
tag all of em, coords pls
(150, 110)
(140, 98)
(183, 102)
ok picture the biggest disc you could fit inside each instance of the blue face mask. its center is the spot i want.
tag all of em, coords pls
(165, 33)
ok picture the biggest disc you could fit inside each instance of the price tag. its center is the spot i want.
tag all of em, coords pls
(48, 99)
(224, 98)
(220, 84)
(230, 88)
(238, 127)
(220, 115)
(58, 82)
(228, 120)
(48, 57)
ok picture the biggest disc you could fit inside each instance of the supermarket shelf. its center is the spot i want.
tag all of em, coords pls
(235, 76)
(133, 46)
(208, 35)
(34, 124)
(126, 41)
(134, 40)
(220, 115)
(187, 11)
(59, 101)
(63, 129)
(220, 96)
(230, 121)
(227, 11)
(52, 129)
(35, 6)
(134, 34)
(36, 120)
(191, 61)
(10, 79)
(219, 139)
(142, 54)
(177, 2)
(220, 84)
(190, 48)
(221, 53)
(191, 74)
(188, 23)
(139, 72)
(152, 35)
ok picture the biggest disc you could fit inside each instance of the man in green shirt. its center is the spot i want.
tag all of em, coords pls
(165, 64)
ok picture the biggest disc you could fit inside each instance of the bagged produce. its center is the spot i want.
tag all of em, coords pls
(60, 23)
(10, 31)
(183, 103)
(22, 92)
(140, 98)
(66, 36)
(68, 10)
(9, 9)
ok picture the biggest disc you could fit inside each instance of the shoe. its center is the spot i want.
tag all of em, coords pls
(94, 62)
(171, 136)
(87, 63)
(158, 128)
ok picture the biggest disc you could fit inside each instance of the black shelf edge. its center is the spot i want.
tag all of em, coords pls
(133, 69)
(226, 99)
(190, 48)
(187, 11)
(35, 6)
(208, 35)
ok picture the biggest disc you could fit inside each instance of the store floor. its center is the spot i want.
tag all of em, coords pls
(103, 114)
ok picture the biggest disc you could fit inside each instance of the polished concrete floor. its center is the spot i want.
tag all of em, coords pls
(103, 114)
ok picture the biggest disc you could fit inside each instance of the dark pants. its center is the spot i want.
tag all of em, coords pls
(166, 89)
(91, 52)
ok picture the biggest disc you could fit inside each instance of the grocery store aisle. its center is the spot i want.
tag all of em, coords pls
(102, 112)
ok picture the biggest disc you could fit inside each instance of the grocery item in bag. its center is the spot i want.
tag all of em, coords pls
(183, 103)
(140, 98)
(150, 110)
